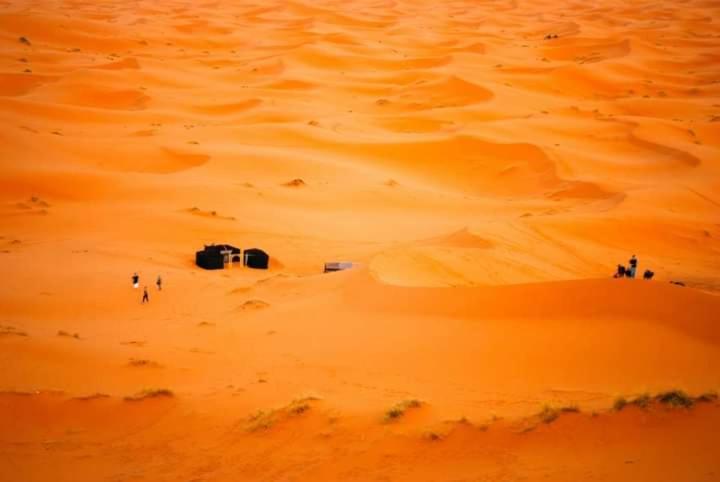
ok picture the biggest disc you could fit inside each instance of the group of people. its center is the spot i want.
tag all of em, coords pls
(631, 270)
(146, 295)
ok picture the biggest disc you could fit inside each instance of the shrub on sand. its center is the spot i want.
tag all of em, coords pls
(675, 399)
(620, 403)
(264, 420)
(399, 409)
(642, 401)
(433, 436)
(707, 397)
(549, 414)
(150, 393)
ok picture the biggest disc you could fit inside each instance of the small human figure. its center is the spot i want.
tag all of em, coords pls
(159, 283)
(620, 271)
(633, 266)
(648, 275)
(146, 297)
(135, 280)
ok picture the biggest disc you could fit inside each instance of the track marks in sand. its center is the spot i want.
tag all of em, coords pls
(195, 211)
(584, 51)
(445, 92)
(171, 160)
(96, 97)
(128, 63)
(11, 331)
(227, 109)
(466, 163)
(20, 84)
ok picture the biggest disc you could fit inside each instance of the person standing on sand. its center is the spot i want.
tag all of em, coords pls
(633, 266)
(136, 280)
(159, 283)
(146, 297)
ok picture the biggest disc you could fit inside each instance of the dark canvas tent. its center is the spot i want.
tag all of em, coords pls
(210, 258)
(256, 258)
(216, 255)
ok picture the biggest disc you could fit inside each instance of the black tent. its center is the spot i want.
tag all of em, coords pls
(216, 255)
(256, 258)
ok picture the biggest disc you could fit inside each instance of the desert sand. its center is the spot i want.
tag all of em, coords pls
(486, 165)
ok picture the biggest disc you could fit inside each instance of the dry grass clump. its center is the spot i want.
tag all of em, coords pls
(68, 335)
(150, 393)
(11, 331)
(261, 420)
(141, 363)
(433, 436)
(264, 420)
(620, 403)
(641, 401)
(399, 409)
(707, 397)
(549, 414)
(94, 396)
(254, 305)
(675, 399)
(295, 183)
(670, 398)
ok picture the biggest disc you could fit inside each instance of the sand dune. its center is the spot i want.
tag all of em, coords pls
(485, 165)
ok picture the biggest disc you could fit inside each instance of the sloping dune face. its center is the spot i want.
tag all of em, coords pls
(485, 166)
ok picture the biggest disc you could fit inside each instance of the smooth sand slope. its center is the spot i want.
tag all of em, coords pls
(487, 180)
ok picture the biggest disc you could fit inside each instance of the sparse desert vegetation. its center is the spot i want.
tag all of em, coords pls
(295, 183)
(142, 363)
(7, 330)
(150, 393)
(399, 409)
(670, 398)
(266, 419)
(675, 399)
(254, 305)
(94, 396)
(550, 413)
(196, 211)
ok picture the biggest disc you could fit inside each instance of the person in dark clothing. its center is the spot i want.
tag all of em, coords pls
(159, 283)
(648, 274)
(135, 280)
(146, 297)
(620, 272)
(633, 266)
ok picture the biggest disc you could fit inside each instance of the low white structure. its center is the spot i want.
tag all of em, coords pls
(338, 266)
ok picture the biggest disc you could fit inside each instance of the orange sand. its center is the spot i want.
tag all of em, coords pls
(486, 180)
